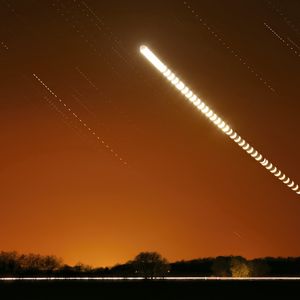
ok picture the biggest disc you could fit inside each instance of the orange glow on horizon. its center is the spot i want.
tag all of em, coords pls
(187, 191)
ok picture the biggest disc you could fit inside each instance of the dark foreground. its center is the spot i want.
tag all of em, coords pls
(148, 290)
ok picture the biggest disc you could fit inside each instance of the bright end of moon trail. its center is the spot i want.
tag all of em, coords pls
(215, 119)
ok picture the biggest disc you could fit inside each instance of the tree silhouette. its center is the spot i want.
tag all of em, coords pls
(221, 266)
(239, 267)
(150, 265)
(14, 263)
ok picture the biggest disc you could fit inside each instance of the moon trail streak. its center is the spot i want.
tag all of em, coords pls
(92, 132)
(189, 94)
(228, 48)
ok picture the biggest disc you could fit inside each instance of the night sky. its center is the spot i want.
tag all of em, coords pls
(119, 162)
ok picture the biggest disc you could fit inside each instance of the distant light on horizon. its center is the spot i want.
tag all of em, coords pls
(215, 119)
(166, 278)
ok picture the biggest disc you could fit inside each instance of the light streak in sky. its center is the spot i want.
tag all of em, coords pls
(90, 130)
(64, 117)
(115, 43)
(167, 278)
(58, 111)
(78, 100)
(98, 22)
(86, 78)
(94, 86)
(282, 39)
(292, 42)
(215, 119)
(228, 47)
(84, 34)
(283, 16)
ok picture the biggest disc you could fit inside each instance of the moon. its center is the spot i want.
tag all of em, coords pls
(189, 94)
(175, 80)
(167, 72)
(171, 76)
(242, 143)
(291, 184)
(185, 90)
(214, 118)
(222, 125)
(180, 86)
(264, 162)
(233, 135)
(278, 173)
(250, 150)
(246, 147)
(254, 153)
(199, 104)
(269, 167)
(209, 114)
(226, 128)
(238, 139)
(274, 170)
(229, 132)
(282, 177)
(194, 98)
(218, 121)
(205, 110)
(259, 157)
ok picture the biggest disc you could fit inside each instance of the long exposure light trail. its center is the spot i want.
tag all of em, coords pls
(81, 121)
(167, 278)
(215, 119)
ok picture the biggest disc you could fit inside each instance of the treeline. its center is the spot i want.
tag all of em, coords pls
(149, 265)
(238, 266)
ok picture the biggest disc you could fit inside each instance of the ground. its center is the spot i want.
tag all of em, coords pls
(148, 290)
